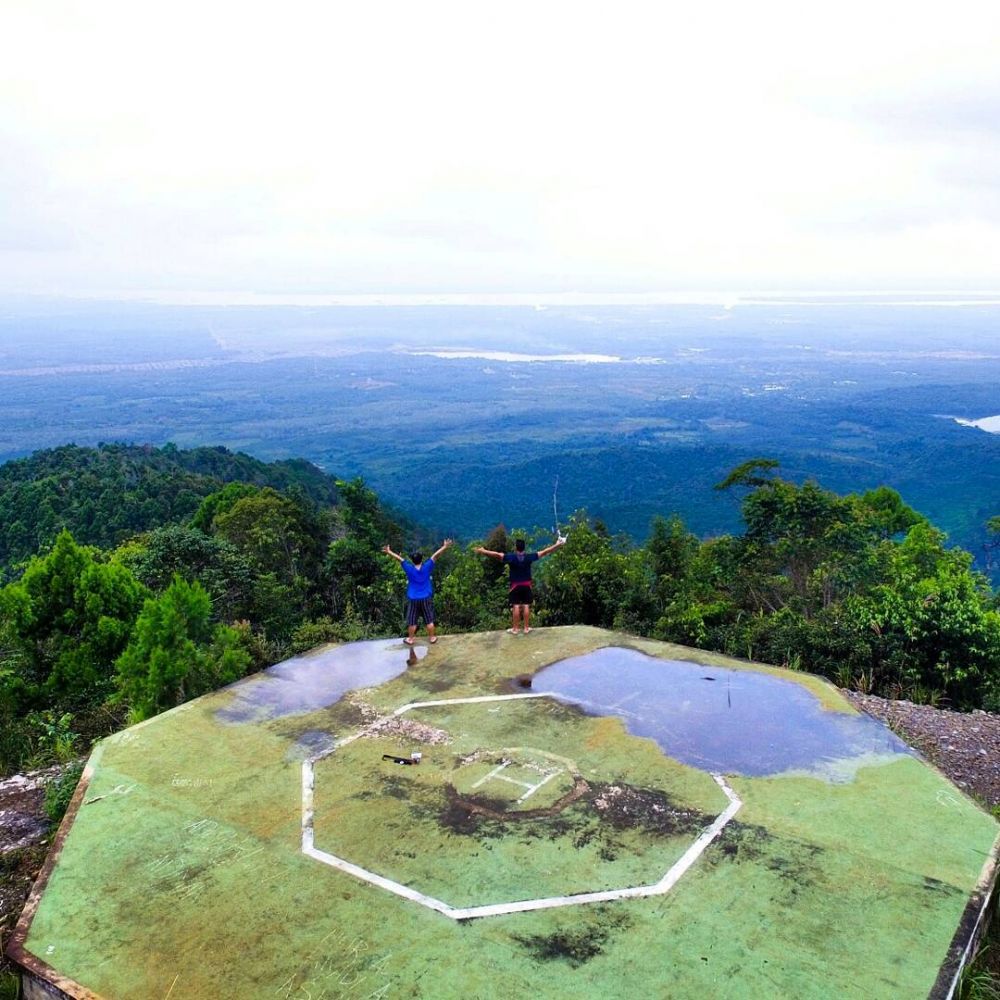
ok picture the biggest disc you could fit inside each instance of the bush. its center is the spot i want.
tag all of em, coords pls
(311, 634)
(59, 792)
(36, 740)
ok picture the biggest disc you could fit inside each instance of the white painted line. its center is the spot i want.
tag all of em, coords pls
(691, 855)
(472, 701)
(383, 883)
(308, 787)
(660, 888)
(526, 905)
(514, 781)
(534, 788)
(492, 774)
(663, 886)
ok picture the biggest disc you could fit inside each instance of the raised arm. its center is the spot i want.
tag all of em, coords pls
(487, 552)
(389, 552)
(551, 548)
(445, 544)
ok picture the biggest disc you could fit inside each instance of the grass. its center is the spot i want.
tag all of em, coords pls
(981, 980)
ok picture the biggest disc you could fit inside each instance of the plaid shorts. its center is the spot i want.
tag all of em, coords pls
(417, 607)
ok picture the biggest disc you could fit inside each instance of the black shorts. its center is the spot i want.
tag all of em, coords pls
(417, 607)
(521, 594)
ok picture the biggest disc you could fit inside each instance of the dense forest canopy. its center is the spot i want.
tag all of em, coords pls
(137, 578)
(427, 406)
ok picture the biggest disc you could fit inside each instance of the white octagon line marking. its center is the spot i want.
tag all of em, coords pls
(660, 888)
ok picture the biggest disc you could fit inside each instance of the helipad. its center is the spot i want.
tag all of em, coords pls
(645, 820)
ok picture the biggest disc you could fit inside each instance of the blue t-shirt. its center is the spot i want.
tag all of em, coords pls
(419, 583)
(520, 566)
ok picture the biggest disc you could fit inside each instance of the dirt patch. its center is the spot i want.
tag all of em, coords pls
(22, 813)
(18, 871)
(24, 843)
(408, 729)
(626, 807)
(458, 819)
(588, 813)
(496, 809)
(966, 747)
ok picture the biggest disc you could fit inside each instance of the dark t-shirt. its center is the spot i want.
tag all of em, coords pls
(520, 566)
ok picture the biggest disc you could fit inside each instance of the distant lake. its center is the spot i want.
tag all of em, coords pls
(989, 424)
(593, 359)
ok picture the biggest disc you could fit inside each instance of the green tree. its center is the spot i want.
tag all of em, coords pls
(220, 502)
(70, 616)
(584, 581)
(157, 556)
(472, 595)
(277, 534)
(176, 653)
(364, 583)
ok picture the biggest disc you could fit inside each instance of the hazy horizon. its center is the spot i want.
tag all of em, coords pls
(445, 149)
(727, 298)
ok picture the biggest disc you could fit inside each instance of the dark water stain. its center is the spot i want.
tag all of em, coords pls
(314, 681)
(939, 888)
(395, 787)
(457, 818)
(441, 682)
(576, 944)
(744, 722)
(311, 743)
(798, 863)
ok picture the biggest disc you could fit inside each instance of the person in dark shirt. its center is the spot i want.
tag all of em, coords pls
(519, 563)
(419, 590)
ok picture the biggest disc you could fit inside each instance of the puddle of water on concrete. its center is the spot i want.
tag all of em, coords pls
(316, 680)
(728, 721)
(312, 743)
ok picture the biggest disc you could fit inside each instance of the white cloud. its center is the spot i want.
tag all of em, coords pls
(455, 146)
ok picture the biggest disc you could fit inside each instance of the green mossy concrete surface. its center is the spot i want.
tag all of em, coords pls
(183, 875)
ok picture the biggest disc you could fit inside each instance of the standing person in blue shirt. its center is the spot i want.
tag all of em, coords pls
(519, 562)
(419, 590)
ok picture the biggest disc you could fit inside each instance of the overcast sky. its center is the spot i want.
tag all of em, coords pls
(503, 147)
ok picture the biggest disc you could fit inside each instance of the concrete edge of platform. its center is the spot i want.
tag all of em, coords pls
(975, 921)
(39, 981)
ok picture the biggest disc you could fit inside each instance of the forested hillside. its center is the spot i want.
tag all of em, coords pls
(104, 495)
(460, 415)
(161, 574)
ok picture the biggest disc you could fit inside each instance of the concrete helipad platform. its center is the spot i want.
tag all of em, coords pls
(644, 820)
